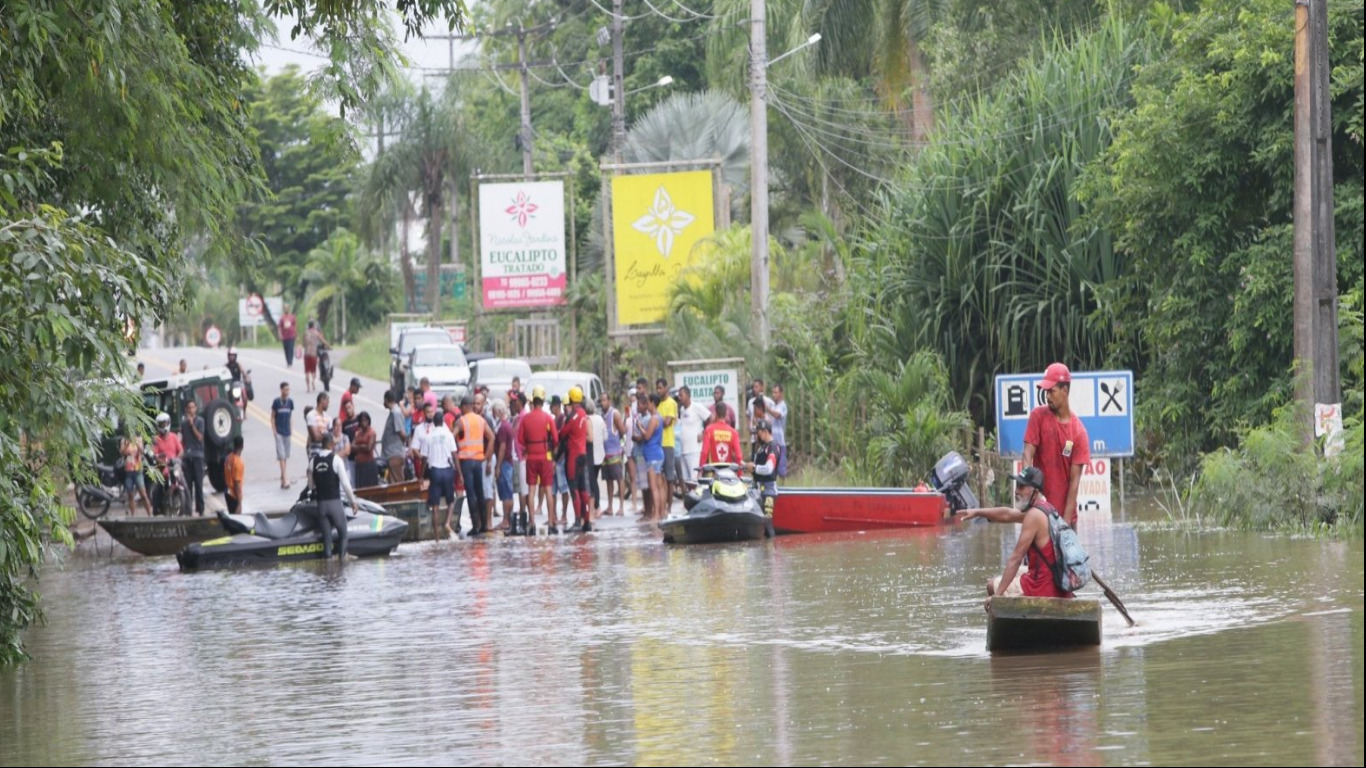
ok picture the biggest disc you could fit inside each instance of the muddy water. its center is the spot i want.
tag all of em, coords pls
(613, 649)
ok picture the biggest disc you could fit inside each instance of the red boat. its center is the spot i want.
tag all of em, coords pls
(821, 510)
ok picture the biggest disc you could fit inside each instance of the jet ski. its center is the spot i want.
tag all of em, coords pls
(721, 508)
(295, 536)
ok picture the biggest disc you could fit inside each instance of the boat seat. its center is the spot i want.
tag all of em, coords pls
(279, 528)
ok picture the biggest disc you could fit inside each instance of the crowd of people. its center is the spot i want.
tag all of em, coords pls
(527, 458)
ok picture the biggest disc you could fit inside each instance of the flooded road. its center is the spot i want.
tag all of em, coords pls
(613, 649)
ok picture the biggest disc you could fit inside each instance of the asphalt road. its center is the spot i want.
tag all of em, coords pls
(262, 492)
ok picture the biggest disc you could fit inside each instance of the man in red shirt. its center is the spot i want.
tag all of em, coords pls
(575, 437)
(536, 440)
(1056, 442)
(720, 440)
(289, 331)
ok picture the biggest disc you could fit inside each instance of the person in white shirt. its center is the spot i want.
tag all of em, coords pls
(597, 442)
(777, 416)
(434, 442)
(692, 419)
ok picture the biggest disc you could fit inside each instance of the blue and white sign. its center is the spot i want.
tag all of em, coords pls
(1104, 400)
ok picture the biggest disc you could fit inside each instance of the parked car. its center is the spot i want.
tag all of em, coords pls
(408, 340)
(442, 365)
(559, 382)
(497, 373)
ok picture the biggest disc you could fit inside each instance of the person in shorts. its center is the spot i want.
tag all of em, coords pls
(281, 414)
(134, 480)
(438, 450)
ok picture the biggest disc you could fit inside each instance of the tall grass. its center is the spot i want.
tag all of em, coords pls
(983, 256)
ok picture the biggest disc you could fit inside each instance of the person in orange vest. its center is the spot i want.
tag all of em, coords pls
(474, 446)
(720, 441)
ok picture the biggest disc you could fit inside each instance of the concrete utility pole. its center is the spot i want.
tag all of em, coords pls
(618, 84)
(1315, 251)
(758, 170)
(526, 103)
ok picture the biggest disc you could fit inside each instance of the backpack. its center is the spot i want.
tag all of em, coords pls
(1071, 564)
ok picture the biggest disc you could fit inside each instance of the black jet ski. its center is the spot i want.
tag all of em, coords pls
(721, 508)
(295, 536)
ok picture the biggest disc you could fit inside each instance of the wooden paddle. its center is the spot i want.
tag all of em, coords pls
(1113, 598)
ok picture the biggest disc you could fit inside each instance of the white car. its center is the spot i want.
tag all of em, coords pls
(443, 366)
(559, 382)
(497, 374)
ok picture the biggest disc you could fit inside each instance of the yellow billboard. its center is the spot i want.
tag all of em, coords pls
(656, 221)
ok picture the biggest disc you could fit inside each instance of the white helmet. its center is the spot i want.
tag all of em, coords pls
(232, 351)
(163, 420)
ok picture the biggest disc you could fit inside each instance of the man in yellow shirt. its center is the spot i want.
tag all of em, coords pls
(668, 412)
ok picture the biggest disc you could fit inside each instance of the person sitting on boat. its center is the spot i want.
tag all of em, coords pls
(720, 440)
(765, 464)
(1031, 508)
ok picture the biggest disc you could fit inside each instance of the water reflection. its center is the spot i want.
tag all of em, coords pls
(613, 649)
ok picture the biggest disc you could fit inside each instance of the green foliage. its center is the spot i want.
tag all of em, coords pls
(1270, 482)
(983, 256)
(898, 422)
(348, 286)
(1197, 189)
(309, 166)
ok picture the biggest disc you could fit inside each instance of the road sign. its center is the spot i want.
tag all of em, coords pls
(1093, 491)
(213, 337)
(251, 311)
(1104, 400)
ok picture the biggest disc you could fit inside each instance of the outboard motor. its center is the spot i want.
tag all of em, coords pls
(950, 477)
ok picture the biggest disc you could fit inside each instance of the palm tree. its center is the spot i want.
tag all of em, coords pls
(429, 153)
(337, 267)
(694, 126)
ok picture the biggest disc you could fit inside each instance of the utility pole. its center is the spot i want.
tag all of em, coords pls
(526, 103)
(618, 84)
(1315, 252)
(758, 164)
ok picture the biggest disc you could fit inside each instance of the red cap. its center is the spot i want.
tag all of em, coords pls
(1057, 373)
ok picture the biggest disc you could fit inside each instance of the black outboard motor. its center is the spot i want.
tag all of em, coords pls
(950, 478)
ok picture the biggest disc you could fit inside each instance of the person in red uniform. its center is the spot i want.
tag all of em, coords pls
(574, 436)
(536, 440)
(720, 440)
(1031, 511)
(1056, 442)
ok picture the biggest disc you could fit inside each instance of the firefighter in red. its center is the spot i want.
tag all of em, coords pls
(720, 441)
(536, 440)
(574, 437)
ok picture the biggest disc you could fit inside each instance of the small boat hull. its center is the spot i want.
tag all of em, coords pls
(1040, 623)
(415, 514)
(827, 510)
(710, 529)
(156, 536)
(409, 490)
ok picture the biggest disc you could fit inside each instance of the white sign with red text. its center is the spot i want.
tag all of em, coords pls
(522, 244)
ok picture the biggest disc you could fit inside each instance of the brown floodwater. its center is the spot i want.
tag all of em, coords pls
(854, 649)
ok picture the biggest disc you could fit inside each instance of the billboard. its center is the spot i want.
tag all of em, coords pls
(521, 244)
(656, 220)
(251, 310)
(1102, 399)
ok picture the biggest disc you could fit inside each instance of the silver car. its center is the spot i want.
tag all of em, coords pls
(443, 366)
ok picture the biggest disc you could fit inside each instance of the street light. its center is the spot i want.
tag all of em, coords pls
(810, 41)
(660, 83)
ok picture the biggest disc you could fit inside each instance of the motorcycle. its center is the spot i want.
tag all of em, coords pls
(94, 500)
(325, 367)
(171, 496)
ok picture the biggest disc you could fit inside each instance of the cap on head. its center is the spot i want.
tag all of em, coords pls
(1056, 374)
(1031, 476)
(555, 400)
(762, 425)
(355, 382)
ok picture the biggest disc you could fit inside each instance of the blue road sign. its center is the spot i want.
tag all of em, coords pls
(1104, 400)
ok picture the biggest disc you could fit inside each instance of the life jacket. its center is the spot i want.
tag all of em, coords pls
(471, 444)
(326, 481)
